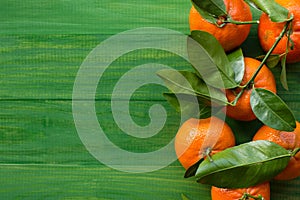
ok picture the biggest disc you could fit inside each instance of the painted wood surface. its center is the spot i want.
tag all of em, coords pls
(42, 46)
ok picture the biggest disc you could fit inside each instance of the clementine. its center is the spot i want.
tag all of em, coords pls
(265, 79)
(268, 32)
(230, 35)
(196, 136)
(261, 190)
(288, 140)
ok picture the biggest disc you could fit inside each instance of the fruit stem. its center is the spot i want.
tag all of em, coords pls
(207, 154)
(232, 21)
(251, 81)
(246, 196)
(295, 151)
(269, 52)
(233, 103)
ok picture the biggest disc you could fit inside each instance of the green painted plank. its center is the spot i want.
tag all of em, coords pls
(44, 131)
(45, 67)
(90, 16)
(42, 66)
(94, 182)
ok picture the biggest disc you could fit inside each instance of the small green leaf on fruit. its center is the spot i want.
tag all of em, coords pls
(254, 162)
(210, 9)
(188, 105)
(185, 82)
(272, 60)
(276, 12)
(210, 61)
(283, 77)
(236, 60)
(271, 110)
(191, 171)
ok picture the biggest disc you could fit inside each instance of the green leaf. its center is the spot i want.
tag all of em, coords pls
(272, 60)
(210, 9)
(253, 162)
(185, 82)
(283, 78)
(276, 12)
(236, 60)
(188, 105)
(210, 60)
(272, 110)
(214, 7)
(191, 171)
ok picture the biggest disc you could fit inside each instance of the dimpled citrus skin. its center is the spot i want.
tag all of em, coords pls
(268, 32)
(231, 35)
(289, 141)
(189, 140)
(236, 194)
(265, 79)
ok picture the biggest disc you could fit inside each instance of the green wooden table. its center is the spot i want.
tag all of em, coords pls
(43, 44)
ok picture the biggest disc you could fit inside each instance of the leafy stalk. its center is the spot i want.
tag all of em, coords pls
(214, 11)
(232, 21)
(295, 151)
(243, 87)
(234, 102)
(270, 51)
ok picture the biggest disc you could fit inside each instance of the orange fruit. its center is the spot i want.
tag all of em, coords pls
(265, 79)
(288, 140)
(268, 32)
(230, 35)
(237, 194)
(196, 136)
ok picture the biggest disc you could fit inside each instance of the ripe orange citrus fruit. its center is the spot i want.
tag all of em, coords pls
(265, 79)
(240, 194)
(231, 35)
(288, 140)
(268, 32)
(196, 136)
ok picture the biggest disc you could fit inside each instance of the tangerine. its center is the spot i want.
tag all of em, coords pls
(289, 141)
(265, 79)
(269, 31)
(196, 136)
(262, 190)
(230, 35)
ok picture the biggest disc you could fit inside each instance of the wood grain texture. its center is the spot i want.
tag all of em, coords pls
(42, 45)
(93, 182)
(90, 16)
